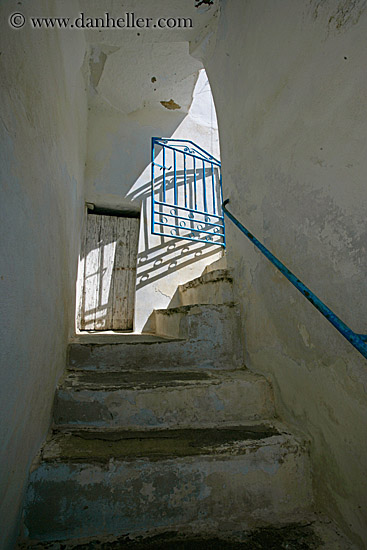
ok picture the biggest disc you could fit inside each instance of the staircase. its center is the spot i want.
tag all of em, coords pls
(167, 433)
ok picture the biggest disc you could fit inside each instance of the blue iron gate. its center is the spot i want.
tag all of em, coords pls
(186, 192)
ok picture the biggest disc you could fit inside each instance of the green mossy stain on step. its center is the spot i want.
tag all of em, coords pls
(155, 445)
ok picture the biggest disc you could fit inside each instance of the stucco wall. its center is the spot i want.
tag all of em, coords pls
(289, 83)
(42, 129)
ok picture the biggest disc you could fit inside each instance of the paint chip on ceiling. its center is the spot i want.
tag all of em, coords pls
(171, 105)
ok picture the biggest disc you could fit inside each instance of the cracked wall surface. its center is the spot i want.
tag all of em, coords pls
(293, 143)
(43, 127)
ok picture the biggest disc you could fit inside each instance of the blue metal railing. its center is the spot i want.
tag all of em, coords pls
(187, 194)
(359, 341)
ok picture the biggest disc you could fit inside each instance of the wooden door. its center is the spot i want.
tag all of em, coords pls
(110, 257)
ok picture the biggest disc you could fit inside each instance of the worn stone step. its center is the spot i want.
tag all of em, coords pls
(95, 483)
(213, 287)
(165, 399)
(166, 355)
(216, 324)
(313, 533)
(117, 337)
(214, 347)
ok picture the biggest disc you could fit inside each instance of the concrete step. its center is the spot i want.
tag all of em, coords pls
(218, 264)
(213, 287)
(314, 532)
(117, 337)
(96, 483)
(165, 355)
(209, 337)
(159, 399)
(215, 324)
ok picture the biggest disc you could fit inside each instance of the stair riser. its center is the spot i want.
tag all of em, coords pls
(157, 356)
(197, 405)
(219, 292)
(270, 484)
(217, 324)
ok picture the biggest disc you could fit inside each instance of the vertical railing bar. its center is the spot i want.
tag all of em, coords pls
(164, 174)
(213, 190)
(153, 205)
(204, 189)
(221, 208)
(185, 180)
(175, 177)
(192, 200)
(195, 195)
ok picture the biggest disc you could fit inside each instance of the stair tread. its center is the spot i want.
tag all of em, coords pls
(210, 277)
(314, 531)
(189, 307)
(104, 445)
(134, 379)
(108, 337)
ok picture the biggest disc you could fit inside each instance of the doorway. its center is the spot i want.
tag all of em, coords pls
(109, 274)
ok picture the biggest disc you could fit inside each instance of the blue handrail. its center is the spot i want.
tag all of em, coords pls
(359, 341)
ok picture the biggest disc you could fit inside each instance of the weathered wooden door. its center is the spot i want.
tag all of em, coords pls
(110, 257)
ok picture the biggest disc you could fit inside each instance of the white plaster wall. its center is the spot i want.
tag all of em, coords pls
(118, 163)
(43, 125)
(289, 81)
